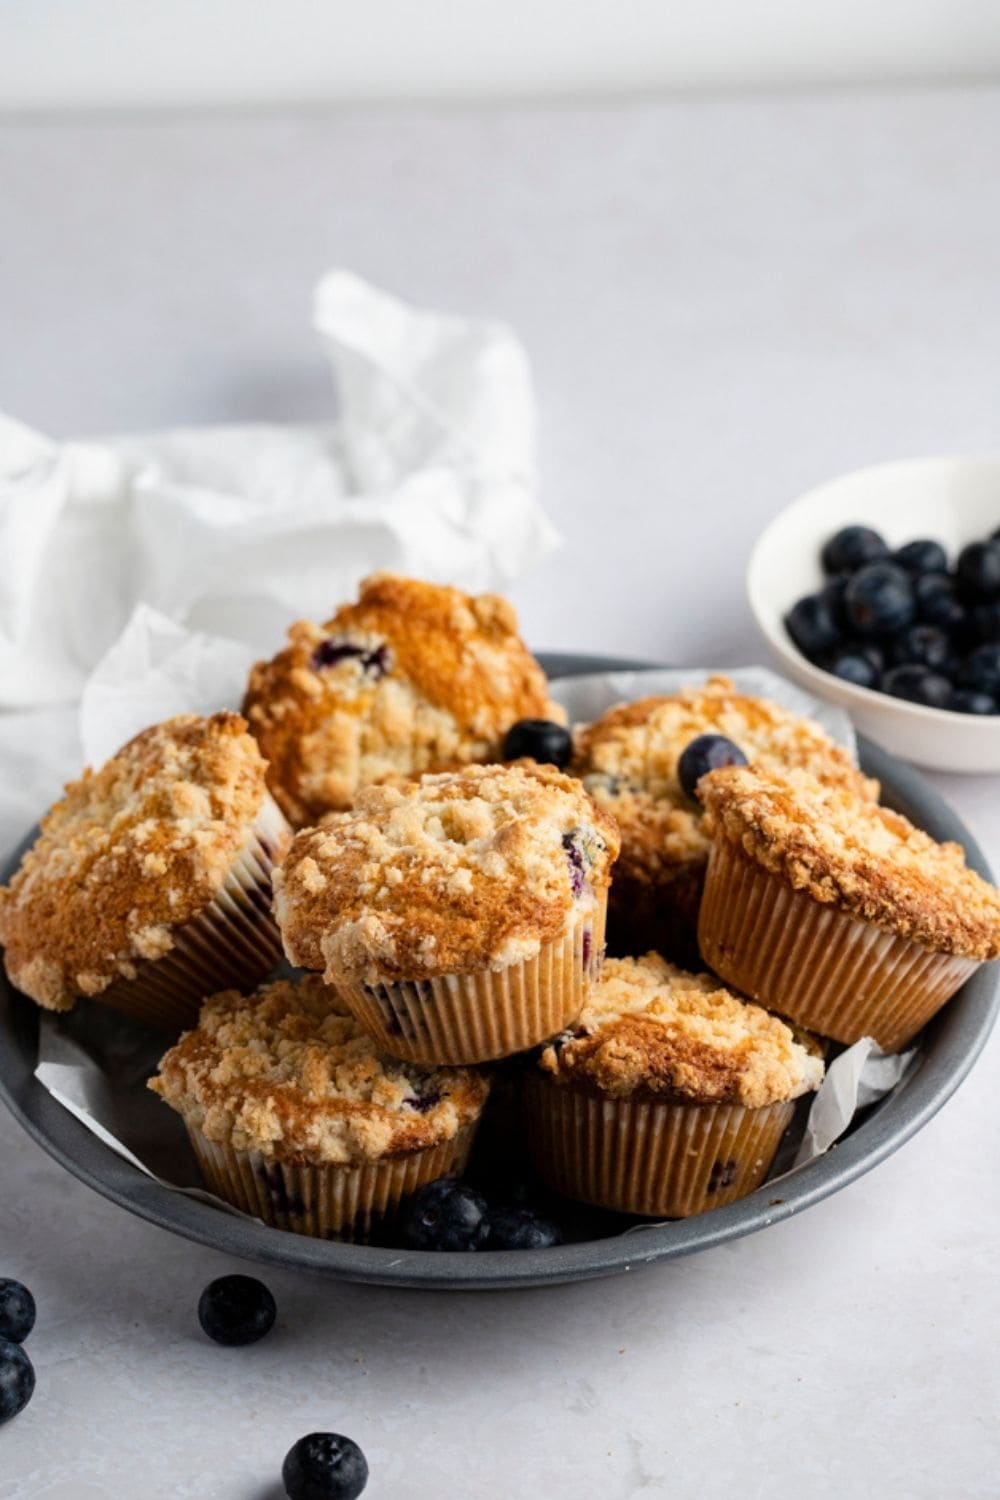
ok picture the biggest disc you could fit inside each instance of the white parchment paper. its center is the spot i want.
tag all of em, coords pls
(426, 466)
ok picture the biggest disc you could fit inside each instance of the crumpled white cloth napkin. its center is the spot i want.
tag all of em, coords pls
(428, 469)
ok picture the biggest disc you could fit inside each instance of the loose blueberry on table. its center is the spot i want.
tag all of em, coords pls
(17, 1310)
(236, 1310)
(539, 739)
(324, 1466)
(17, 1379)
(899, 622)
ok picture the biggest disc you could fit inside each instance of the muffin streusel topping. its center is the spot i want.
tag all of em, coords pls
(131, 852)
(287, 1072)
(652, 1030)
(627, 759)
(460, 871)
(413, 677)
(866, 859)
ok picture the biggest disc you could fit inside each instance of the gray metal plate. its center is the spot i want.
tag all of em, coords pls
(949, 1047)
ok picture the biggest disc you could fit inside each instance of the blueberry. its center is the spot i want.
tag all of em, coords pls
(812, 626)
(709, 752)
(978, 572)
(922, 557)
(873, 653)
(539, 739)
(833, 593)
(968, 701)
(986, 621)
(927, 645)
(981, 669)
(17, 1379)
(236, 1310)
(17, 1311)
(918, 685)
(423, 1102)
(851, 548)
(520, 1228)
(577, 863)
(376, 662)
(852, 666)
(324, 1466)
(445, 1215)
(937, 602)
(880, 600)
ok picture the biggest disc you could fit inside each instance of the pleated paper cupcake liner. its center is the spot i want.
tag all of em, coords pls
(468, 1018)
(331, 1202)
(823, 968)
(652, 1157)
(233, 943)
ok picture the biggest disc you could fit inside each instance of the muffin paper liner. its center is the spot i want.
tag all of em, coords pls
(823, 968)
(467, 1018)
(333, 1201)
(233, 943)
(651, 1157)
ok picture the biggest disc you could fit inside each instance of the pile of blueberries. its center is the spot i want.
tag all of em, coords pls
(450, 1215)
(903, 622)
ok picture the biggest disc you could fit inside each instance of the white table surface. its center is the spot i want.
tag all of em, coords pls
(724, 303)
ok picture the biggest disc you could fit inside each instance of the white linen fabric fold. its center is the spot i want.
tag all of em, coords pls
(428, 469)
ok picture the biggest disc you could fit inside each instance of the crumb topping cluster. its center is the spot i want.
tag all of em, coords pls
(460, 871)
(413, 677)
(866, 859)
(628, 759)
(651, 1030)
(130, 853)
(288, 1072)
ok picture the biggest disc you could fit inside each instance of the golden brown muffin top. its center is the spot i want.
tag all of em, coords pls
(865, 859)
(627, 759)
(130, 853)
(413, 677)
(461, 871)
(653, 1031)
(289, 1073)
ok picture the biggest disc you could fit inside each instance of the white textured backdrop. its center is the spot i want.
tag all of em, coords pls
(94, 54)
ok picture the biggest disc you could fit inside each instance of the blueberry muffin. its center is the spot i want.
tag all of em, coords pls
(149, 885)
(669, 1095)
(834, 911)
(628, 761)
(297, 1117)
(462, 916)
(413, 677)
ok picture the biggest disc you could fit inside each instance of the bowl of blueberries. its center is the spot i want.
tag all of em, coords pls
(880, 591)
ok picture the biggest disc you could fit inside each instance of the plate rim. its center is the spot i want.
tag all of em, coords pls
(958, 1036)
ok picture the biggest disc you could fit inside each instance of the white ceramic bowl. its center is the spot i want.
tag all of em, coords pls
(955, 500)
